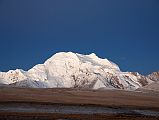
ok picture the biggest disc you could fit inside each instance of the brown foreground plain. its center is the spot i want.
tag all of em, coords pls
(16, 104)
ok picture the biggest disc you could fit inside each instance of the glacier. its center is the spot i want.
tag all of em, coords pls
(74, 70)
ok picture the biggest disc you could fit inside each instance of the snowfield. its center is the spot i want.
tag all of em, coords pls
(73, 70)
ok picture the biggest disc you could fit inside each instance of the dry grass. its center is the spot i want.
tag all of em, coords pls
(53, 116)
(80, 97)
(108, 98)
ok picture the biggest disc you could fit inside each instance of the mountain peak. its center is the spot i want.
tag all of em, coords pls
(154, 76)
(68, 69)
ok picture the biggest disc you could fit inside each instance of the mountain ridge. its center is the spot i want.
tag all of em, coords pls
(73, 70)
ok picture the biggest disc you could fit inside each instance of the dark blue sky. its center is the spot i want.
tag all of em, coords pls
(124, 31)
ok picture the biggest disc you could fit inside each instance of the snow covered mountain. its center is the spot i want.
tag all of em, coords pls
(154, 76)
(73, 70)
(153, 87)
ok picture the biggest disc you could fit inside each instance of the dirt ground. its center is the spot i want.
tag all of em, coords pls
(114, 99)
(40, 116)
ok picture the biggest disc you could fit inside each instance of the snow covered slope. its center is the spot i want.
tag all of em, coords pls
(153, 86)
(154, 76)
(67, 69)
